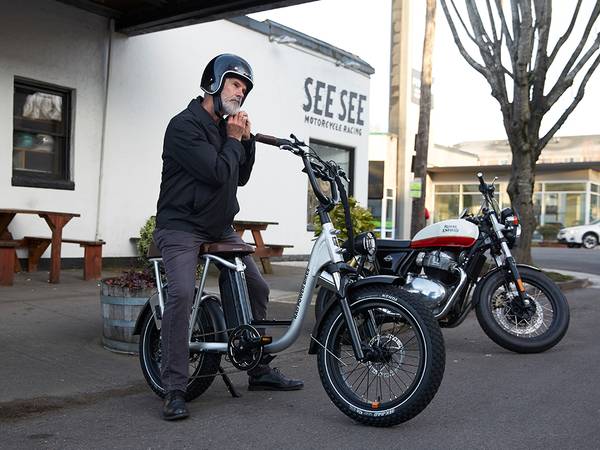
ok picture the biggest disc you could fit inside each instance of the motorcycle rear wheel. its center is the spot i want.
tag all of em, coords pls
(403, 379)
(203, 366)
(537, 331)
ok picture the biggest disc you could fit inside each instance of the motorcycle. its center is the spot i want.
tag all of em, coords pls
(516, 305)
(380, 353)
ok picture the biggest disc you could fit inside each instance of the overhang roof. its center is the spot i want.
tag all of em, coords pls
(507, 168)
(134, 17)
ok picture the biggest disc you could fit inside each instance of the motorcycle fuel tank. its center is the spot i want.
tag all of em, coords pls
(448, 233)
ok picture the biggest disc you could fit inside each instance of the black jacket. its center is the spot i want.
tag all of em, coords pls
(202, 169)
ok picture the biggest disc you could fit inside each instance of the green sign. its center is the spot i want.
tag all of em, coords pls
(415, 189)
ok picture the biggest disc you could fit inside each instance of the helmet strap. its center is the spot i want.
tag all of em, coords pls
(218, 104)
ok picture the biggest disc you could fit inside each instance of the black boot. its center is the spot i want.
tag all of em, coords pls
(174, 407)
(263, 378)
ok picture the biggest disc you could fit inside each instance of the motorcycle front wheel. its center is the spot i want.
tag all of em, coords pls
(203, 366)
(405, 357)
(534, 329)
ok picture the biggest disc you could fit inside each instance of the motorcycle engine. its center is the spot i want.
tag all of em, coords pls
(435, 284)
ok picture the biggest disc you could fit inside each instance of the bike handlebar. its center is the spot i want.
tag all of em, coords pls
(271, 140)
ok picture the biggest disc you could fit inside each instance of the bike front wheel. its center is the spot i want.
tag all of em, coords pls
(203, 366)
(405, 357)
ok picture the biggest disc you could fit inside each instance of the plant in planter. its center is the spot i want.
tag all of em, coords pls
(362, 219)
(123, 297)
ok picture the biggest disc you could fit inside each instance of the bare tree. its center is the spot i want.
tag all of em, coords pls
(521, 31)
(422, 140)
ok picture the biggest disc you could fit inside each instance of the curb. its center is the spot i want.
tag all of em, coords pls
(577, 283)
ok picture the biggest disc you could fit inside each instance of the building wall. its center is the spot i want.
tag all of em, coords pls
(153, 77)
(51, 42)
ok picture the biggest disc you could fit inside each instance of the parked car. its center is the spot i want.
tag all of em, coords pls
(582, 235)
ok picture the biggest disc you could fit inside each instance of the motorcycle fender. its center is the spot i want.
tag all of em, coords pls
(377, 279)
(481, 282)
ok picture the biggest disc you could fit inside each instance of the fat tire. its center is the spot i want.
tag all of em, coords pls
(434, 366)
(196, 386)
(536, 344)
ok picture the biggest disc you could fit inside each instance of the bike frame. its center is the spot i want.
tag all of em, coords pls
(324, 252)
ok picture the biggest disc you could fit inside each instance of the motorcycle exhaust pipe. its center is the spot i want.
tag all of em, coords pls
(452, 300)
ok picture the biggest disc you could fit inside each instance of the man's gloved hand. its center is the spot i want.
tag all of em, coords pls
(238, 126)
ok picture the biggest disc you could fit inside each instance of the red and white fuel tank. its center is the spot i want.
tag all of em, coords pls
(448, 233)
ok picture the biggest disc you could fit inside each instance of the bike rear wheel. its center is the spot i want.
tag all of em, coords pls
(406, 362)
(203, 366)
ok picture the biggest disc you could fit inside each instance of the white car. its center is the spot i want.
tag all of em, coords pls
(582, 235)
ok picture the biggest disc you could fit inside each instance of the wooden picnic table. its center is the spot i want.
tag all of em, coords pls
(263, 251)
(55, 220)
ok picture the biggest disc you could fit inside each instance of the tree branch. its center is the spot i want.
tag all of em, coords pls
(580, 92)
(505, 32)
(493, 23)
(463, 23)
(566, 81)
(565, 36)
(582, 42)
(478, 67)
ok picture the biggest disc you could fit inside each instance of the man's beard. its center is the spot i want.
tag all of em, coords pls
(231, 105)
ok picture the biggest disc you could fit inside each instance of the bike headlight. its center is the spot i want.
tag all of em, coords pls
(365, 244)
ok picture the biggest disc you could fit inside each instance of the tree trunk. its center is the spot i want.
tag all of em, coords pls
(422, 140)
(520, 191)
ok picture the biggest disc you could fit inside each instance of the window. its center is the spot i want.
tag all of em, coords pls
(344, 157)
(41, 135)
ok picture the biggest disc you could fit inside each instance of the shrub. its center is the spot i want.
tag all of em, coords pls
(133, 279)
(549, 231)
(362, 219)
(145, 241)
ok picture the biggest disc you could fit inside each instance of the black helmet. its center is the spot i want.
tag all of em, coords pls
(226, 65)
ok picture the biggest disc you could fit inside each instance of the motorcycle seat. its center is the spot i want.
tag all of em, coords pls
(392, 244)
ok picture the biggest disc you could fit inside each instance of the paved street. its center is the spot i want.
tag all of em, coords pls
(573, 259)
(90, 398)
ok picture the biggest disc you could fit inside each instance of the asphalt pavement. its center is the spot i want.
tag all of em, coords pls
(61, 389)
(572, 259)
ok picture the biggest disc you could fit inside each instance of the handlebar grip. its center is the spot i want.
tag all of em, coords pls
(480, 176)
(271, 140)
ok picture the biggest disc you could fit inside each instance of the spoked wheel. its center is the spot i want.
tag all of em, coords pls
(530, 329)
(203, 366)
(404, 357)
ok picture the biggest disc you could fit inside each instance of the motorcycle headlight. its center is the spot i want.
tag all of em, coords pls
(365, 244)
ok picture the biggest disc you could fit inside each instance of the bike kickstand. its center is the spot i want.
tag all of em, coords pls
(229, 384)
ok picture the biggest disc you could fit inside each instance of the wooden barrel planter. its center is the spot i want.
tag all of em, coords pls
(121, 307)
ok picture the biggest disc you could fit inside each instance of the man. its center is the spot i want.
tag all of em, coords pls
(205, 159)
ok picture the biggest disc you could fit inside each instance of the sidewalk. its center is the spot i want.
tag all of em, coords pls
(50, 340)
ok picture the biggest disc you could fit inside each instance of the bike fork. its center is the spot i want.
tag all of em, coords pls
(356, 344)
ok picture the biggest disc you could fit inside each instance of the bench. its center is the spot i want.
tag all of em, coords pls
(7, 261)
(267, 251)
(92, 255)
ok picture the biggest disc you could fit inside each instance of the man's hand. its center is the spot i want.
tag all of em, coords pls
(247, 130)
(237, 124)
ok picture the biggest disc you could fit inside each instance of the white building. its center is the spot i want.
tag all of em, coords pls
(83, 112)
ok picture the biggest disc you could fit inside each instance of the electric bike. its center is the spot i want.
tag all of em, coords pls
(380, 351)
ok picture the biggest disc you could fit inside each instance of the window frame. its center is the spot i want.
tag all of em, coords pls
(62, 178)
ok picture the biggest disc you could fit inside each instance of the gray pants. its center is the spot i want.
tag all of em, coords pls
(179, 250)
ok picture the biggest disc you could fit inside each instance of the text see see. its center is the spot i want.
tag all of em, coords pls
(320, 99)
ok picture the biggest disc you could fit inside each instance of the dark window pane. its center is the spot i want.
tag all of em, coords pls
(344, 158)
(41, 134)
(447, 188)
(376, 172)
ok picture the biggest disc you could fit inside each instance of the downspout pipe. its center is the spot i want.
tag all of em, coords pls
(111, 30)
